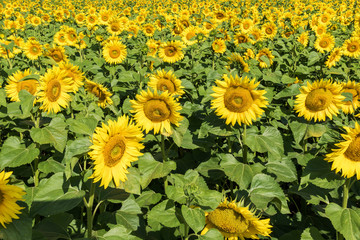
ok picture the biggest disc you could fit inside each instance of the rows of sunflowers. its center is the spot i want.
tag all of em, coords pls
(179, 119)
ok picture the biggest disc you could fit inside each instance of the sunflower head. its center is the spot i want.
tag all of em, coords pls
(219, 46)
(236, 100)
(236, 221)
(115, 145)
(100, 92)
(156, 111)
(319, 100)
(346, 158)
(166, 81)
(171, 51)
(21, 81)
(9, 195)
(114, 52)
(349, 107)
(351, 47)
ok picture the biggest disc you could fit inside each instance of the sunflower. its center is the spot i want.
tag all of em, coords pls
(334, 57)
(16, 84)
(189, 35)
(246, 25)
(73, 72)
(148, 29)
(114, 52)
(347, 157)
(325, 42)
(262, 56)
(56, 53)
(114, 26)
(236, 221)
(9, 195)
(54, 90)
(219, 46)
(100, 92)
(71, 36)
(153, 47)
(303, 39)
(320, 30)
(154, 111)
(237, 61)
(352, 87)
(166, 81)
(351, 47)
(171, 51)
(236, 100)
(319, 100)
(269, 29)
(115, 145)
(32, 49)
(60, 38)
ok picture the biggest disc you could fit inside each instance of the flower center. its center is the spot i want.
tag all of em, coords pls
(166, 85)
(318, 99)
(324, 43)
(114, 53)
(97, 92)
(238, 99)
(53, 90)
(228, 220)
(115, 28)
(157, 110)
(28, 85)
(269, 31)
(114, 150)
(353, 150)
(352, 48)
(353, 92)
(34, 50)
(57, 56)
(170, 51)
(190, 35)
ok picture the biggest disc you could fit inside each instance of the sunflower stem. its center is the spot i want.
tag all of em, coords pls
(347, 186)
(89, 213)
(245, 149)
(163, 151)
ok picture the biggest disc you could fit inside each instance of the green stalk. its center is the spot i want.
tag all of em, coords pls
(347, 186)
(245, 148)
(89, 214)
(163, 152)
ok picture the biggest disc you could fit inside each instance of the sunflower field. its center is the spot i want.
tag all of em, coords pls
(130, 120)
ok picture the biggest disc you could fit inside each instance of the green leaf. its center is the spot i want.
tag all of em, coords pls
(164, 213)
(51, 166)
(148, 198)
(14, 154)
(26, 102)
(348, 96)
(83, 125)
(55, 195)
(236, 171)
(118, 232)
(178, 132)
(127, 215)
(151, 169)
(318, 172)
(284, 170)
(345, 220)
(313, 58)
(18, 229)
(311, 233)
(270, 141)
(194, 217)
(288, 92)
(265, 189)
(55, 227)
(79, 146)
(2, 97)
(212, 234)
(208, 198)
(54, 134)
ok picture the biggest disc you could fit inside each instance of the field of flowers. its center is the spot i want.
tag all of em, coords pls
(179, 120)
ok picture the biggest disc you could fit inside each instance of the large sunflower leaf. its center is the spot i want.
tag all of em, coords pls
(55, 195)
(14, 154)
(127, 215)
(151, 169)
(345, 220)
(264, 189)
(17, 229)
(164, 213)
(194, 217)
(270, 141)
(311, 233)
(54, 134)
